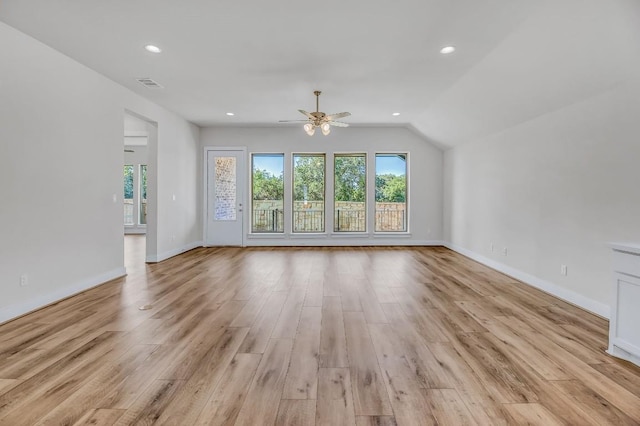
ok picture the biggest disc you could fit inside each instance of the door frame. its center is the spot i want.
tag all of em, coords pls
(205, 204)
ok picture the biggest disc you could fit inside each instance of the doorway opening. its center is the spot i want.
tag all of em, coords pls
(139, 186)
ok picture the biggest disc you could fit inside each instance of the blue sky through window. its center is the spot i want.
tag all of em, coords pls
(385, 164)
(391, 164)
(273, 163)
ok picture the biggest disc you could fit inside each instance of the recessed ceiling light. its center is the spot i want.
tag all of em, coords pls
(447, 49)
(395, 114)
(153, 49)
(230, 114)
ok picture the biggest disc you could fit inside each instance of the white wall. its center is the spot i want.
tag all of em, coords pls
(553, 191)
(425, 175)
(61, 156)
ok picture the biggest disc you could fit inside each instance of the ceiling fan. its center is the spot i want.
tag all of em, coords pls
(320, 119)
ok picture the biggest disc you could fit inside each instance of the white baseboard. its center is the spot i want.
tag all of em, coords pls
(548, 287)
(18, 309)
(335, 242)
(154, 258)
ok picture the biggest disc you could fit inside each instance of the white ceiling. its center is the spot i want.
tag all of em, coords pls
(516, 59)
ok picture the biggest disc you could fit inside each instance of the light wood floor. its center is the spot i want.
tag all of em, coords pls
(355, 336)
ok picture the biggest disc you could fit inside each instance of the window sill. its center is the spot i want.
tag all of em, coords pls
(399, 234)
(314, 235)
(350, 235)
(266, 235)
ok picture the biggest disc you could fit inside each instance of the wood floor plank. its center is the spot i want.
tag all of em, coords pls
(191, 398)
(223, 407)
(51, 386)
(260, 332)
(529, 356)
(489, 360)
(261, 403)
(6, 384)
(377, 335)
(428, 371)
(448, 408)
(333, 342)
(410, 405)
(150, 403)
(484, 407)
(367, 384)
(100, 416)
(89, 395)
(302, 375)
(599, 410)
(296, 412)
(315, 292)
(335, 400)
(249, 313)
(622, 373)
(287, 323)
(376, 421)
(531, 414)
(373, 312)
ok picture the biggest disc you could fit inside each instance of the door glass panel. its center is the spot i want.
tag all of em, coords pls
(128, 195)
(225, 188)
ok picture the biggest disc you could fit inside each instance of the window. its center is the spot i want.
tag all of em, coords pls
(267, 189)
(350, 188)
(143, 194)
(391, 192)
(308, 192)
(128, 195)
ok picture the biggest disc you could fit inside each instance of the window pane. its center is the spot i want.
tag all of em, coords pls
(143, 194)
(350, 193)
(391, 192)
(128, 195)
(225, 188)
(267, 189)
(308, 193)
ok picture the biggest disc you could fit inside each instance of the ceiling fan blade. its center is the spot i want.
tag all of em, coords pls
(293, 121)
(338, 115)
(338, 123)
(306, 113)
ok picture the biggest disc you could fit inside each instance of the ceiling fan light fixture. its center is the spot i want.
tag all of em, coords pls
(153, 49)
(309, 128)
(326, 129)
(447, 50)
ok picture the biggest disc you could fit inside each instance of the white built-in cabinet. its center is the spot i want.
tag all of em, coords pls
(624, 325)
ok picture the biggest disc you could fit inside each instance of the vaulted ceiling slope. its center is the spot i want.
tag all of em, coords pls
(515, 59)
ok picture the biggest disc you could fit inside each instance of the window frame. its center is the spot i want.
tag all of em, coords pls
(324, 192)
(407, 198)
(253, 231)
(365, 220)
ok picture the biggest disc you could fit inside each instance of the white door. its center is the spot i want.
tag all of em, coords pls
(225, 197)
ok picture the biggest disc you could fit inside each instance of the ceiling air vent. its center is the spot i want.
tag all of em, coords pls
(151, 84)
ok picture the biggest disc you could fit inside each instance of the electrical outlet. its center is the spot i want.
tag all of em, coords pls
(492, 248)
(24, 280)
(563, 269)
(504, 251)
